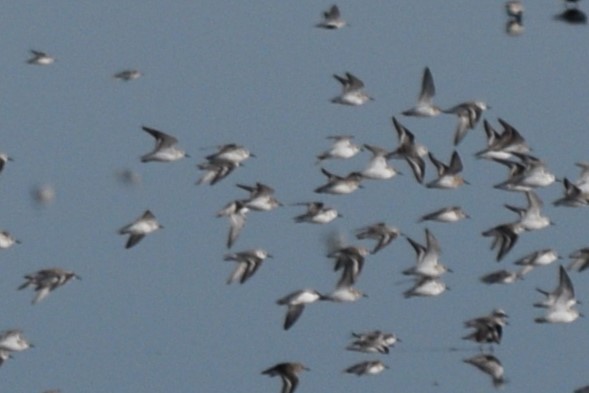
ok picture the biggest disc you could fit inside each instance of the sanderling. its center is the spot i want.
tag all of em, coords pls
(352, 93)
(13, 340)
(332, 19)
(40, 58)
(428, 263)
(490, 365)
(469, 114)
(410, 150)
(296, 302)
(445, 214)
(4, 158)
(340, 185)
(370, 367)
(560, 303)
(7, 240)
(127, 75)
(142, 226)
(342, 147)
(381, 232)
(47, 280)
(448, 175)
(165, 147)
(288, 373)
(248, 263)
(378, 167)
(261, 197)
(317, 213)
(236, 211)
(425, 106)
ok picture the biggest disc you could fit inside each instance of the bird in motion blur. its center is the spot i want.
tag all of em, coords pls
(47, 280)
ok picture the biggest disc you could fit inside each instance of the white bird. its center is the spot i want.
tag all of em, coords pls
(248, 262)
(47, 280)
(317, 213)
(288, 373)
(560, 303)
(296, 302)
(490, 365)
(236, 211)
(40, 58)
(378, 167)
(128, 75)
(4, 158)
(352, 91)
(425, 106)
(449, 176)
(332, 19)
(341, 148)
(139, 228)
(469, 114)
(13, 340)
(428, 258)
(370, 367)
(165, 149)
(7, 240)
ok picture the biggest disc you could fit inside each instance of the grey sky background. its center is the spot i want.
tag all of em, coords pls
(159, 317)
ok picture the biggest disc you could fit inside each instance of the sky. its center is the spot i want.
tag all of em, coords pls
(159, 316)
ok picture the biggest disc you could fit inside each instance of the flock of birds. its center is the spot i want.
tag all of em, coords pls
(505, 146)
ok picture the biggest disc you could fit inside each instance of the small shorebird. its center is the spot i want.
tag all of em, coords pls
(40, 58)
(332, 19)
(47, 280)
(139, 228)
(425, 106)
(381, 232)
(317, 213)
(342, 148)
(352, 91)
(13, 340)
(288, 373)
(165, 147)
(296, 302)
(370, 367)
(128, 75)
(248, 263)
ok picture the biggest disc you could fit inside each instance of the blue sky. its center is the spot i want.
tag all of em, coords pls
(160, 317)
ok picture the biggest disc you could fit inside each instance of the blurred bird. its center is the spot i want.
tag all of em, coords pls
(296, 302)
(47, 280)
(248, 263)
(13, 340)
(468, 113)
(4, 158)
(381, 232)
(352, 91)
(7, 240)
(332, 20)
(339, 185)
(317, 213)
(342, 148)
(40, 58)
(288, 373)
(446, 215)
(560, 303)
(371, 367)
(425, 106)
(128, 75)
(448, 175)
(139, 228)
(165, 149)
(236, 211)
(373, 342)
(410, 150)
(490, 365)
